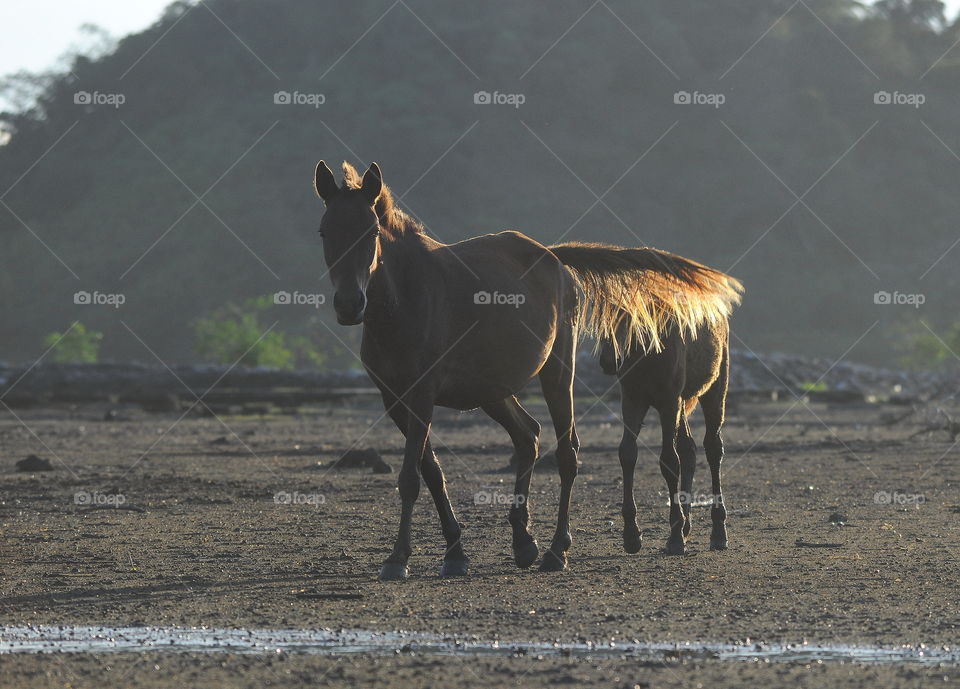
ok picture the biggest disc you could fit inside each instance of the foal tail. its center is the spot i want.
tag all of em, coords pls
(646, 290)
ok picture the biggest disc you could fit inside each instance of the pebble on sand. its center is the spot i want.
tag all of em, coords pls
(361, 459)
(34, 463)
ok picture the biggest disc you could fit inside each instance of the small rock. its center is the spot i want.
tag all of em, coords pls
(362, 459)
(34, 463)
(838, 519)
(161, 403)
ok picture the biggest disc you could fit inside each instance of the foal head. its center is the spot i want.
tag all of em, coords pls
(350, 229)
(612, 353)
(609, 359)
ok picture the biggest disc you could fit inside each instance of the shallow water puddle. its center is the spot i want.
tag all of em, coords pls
(95, 639)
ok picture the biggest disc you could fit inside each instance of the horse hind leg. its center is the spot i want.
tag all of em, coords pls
(670, 417)
(633, 414)
(525, 433)
(713, 404)
(687, 449)
(556, 379)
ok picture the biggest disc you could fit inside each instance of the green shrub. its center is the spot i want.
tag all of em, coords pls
(235, 334)
(921, 348)
(238, 333)
(76, 345)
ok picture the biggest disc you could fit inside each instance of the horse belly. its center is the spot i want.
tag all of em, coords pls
(496, 364)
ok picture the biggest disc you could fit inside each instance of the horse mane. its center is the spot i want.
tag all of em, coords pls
(393, 220)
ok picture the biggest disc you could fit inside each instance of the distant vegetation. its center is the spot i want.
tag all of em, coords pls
(241, 334)
(76, 345)
(876, 173)
(923, 347)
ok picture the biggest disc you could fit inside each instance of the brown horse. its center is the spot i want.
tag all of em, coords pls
(686, 370)
(467, 325)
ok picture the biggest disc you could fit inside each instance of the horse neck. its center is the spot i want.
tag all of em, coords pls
(404, 261)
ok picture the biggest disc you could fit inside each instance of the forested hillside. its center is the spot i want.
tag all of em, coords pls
(791, 171)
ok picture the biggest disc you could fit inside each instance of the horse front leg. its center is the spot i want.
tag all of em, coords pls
(455, 560)
(419, 407)
(525, 433)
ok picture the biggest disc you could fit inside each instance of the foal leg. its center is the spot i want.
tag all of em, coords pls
(419, 413)
(455, 561)
(525, 433)
(556, 378)
(633, 414)
(670, 469)
(687, 449)
(713, 404)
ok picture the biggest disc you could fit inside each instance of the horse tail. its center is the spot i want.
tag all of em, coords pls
(645, 290)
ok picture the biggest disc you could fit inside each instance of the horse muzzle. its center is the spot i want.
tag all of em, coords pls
(350, 309)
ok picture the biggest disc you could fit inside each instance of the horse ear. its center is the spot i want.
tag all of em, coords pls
(372, 183)
(324, 182)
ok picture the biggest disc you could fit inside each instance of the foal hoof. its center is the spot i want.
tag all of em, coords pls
(553, 562)
(718, 544)
(393, 571)
(526, 554)
(675, 548)
(454, 568)
(718, 537)
(632, 542)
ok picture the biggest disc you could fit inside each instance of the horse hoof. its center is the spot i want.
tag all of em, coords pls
(632, 543)
(393, 571)
(675, 548)
(526, 554)
(719, 544)
(553, 562)
(454, 568)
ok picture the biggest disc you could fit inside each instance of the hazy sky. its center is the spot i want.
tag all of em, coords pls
(34, 33)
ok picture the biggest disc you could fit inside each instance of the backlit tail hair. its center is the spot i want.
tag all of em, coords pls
(645, 290)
